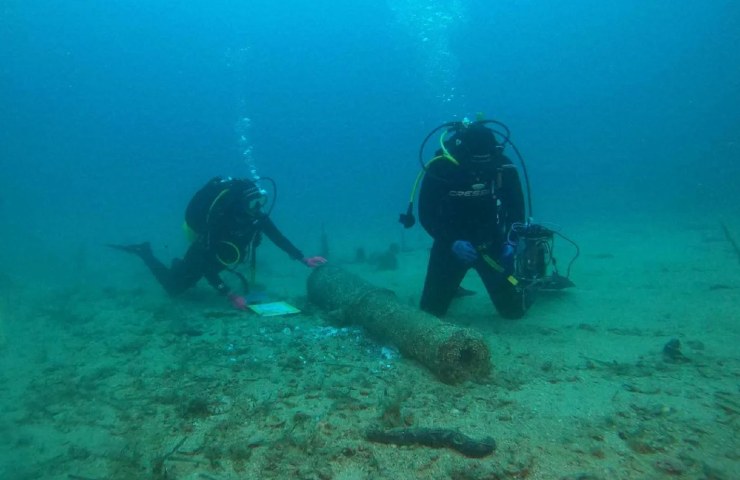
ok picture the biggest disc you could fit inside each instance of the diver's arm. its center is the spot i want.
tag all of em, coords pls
(215, 280)
(237, 301)
(431, 196)
(280, 240)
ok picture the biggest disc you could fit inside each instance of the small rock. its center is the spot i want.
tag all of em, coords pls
(672, 352)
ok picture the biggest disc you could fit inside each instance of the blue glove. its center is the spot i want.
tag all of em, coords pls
(508, 252)
(465, 251)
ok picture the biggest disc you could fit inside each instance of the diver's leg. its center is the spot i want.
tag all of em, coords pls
(169, 278)
(158, 269)
(183, 274)
(444, 274)
(509, 301)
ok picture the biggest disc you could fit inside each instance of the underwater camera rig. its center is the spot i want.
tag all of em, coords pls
(535, 266)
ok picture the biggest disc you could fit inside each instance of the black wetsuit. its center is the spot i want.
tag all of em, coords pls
(475, 202)
(228, 238)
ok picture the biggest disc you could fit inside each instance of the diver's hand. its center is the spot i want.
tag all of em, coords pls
(465, 251)
(238, 301)
(508, 254)
(312, 262)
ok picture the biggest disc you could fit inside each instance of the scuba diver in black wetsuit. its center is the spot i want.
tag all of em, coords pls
(225, 221)
(473, 205)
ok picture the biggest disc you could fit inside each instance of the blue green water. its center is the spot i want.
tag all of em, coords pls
(114, 112)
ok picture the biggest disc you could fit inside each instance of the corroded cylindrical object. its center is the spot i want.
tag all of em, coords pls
(453, 353)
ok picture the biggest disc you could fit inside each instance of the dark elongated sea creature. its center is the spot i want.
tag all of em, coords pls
(435, 438)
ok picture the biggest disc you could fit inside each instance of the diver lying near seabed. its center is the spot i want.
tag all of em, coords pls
(225, 221)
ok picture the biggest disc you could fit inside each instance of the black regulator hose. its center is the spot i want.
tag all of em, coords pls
(274, 193)
(526, 179)
(426, 139)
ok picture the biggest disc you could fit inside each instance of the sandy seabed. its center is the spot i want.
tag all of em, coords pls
(113, 380)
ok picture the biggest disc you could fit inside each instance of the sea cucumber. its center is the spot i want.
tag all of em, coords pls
(435, 438)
